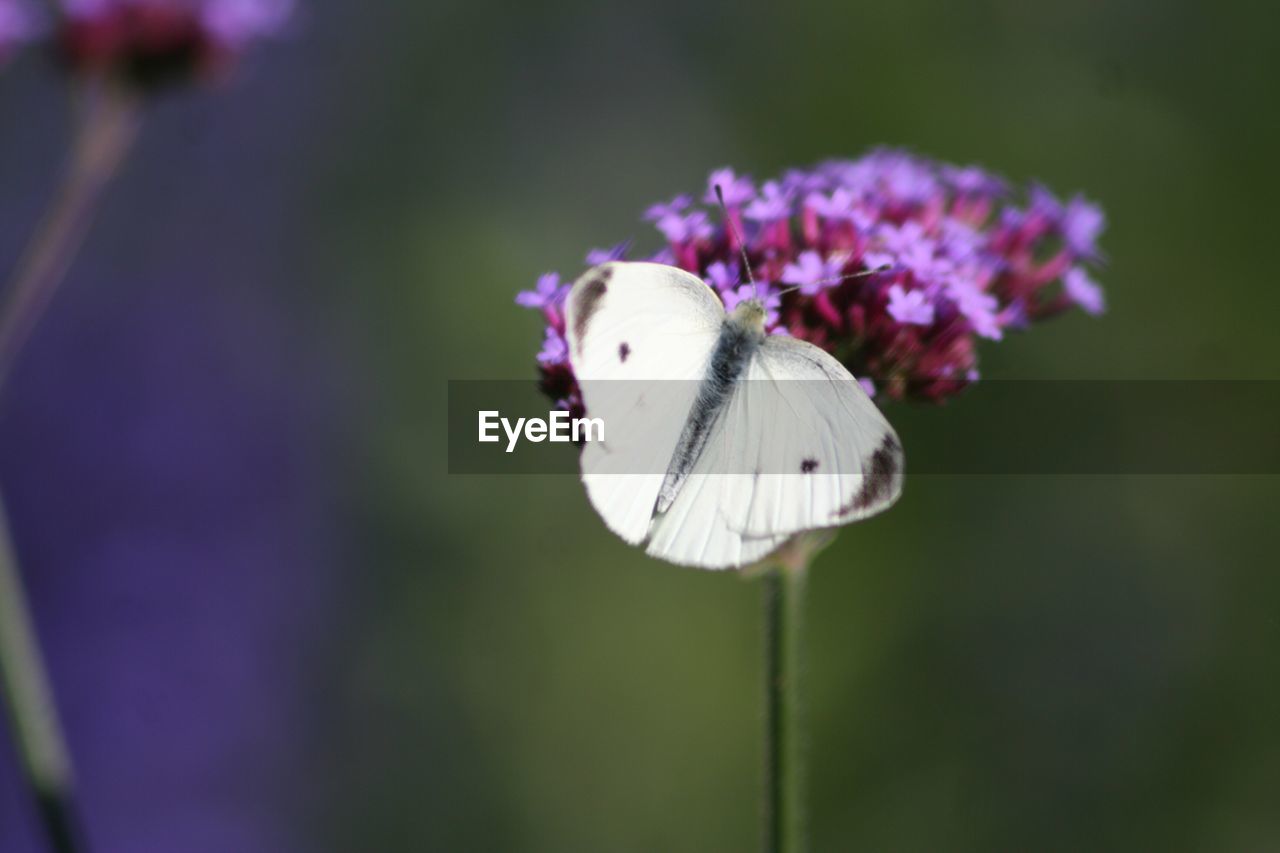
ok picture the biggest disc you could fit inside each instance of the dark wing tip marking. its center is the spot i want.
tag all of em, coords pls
(808, 465)
(884, 473)
(624, 350)
(586, 300)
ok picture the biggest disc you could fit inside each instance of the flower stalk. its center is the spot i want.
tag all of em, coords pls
(785, 746)
(118, 53)
(104, 135)
(32, 714)
(107, 128)
(785, 577)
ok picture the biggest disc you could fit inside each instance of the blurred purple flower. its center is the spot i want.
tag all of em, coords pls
(722, 276)
(1043, 202)
(547, 293)
(150, 43)
(812, 272)
(904, 178)
(772, 204)
(554, 348)
(973, 180)
(897, 239)
(803, 181)
(977, 306)
(237, 22)
(919, 260)
(841, 204)
(1082, 222)
(926, 261)
(685, 228)
(668, 208)
(737, 190)
(909, 307)
(1083, 291)
(613, 253)
(19, 22)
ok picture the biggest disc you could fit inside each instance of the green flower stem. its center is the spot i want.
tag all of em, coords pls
(785, 574)
(785, 747)
(32, 714)
(108, 125)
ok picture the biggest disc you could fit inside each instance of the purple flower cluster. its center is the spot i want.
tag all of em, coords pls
(148, 43)
(894, 263)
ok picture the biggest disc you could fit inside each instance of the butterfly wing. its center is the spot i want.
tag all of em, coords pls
(826, 453)
(704, 525)
(798, 446)
(640, 337)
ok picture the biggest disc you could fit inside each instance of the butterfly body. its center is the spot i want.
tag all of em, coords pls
(740, 336)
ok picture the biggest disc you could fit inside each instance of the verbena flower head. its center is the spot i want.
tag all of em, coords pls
(150, 43)
(895, 264)
(19, 22)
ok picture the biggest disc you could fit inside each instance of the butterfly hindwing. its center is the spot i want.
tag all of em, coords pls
(826, 454)
(797, 446)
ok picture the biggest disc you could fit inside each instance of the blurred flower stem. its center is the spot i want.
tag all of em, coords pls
(105, 131)
(785, 578)
(32, 715)
(107, 124)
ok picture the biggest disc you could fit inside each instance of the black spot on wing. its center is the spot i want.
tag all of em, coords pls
(808, 466)
(624, 350)
(586, 299)
(882, 475)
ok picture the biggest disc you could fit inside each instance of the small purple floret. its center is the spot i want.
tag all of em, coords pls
(547, 293)
(773, 203)
(737, 190)
(722, 276)
(554, 348)
(1083, 291)
(685, 228)
(668, 208)
(910, 308)
(596, 257)
(1082, 222)
(813, 273)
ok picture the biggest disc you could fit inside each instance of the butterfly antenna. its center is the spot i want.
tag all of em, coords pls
(733, 232)
(837, 280)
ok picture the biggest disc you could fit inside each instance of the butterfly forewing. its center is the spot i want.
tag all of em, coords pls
(639, 337)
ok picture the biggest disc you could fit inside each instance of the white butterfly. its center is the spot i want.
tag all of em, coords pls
(724, 454)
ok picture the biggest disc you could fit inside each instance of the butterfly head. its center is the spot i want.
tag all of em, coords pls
(749, 314)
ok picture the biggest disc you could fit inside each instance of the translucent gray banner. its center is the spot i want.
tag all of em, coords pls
(997, 427)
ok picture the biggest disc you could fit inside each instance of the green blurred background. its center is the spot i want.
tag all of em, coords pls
(1000, 663)
(1071, 663)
